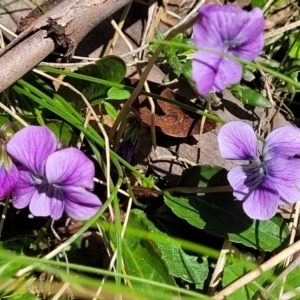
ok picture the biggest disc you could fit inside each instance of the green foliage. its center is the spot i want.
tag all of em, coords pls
(236, 270)
(62, 131)
(258, 3)
(115, 93)
(159, 268)
(8, 268)
(250, 97)
(142, 258)
(295, 45)
(289, 285)
(262, 3)
(188, 267)
(220, 215)
(176, 56)
(110, 68)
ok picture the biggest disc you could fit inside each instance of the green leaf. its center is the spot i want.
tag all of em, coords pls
(170, 50)
(175, 64)
(111, 68)
(4, 118)
(250, 97)
(8, 268)
(142, 259)
(186, 69)
(219, 214)
(180, 264)
(62, 130)
(295, 42)
(291, 284)
(29, 296)
(111, 110)
(226, 218)
(237, 270)
(248, 75)
(258, 3)
(158, 35)
(262, 3)
(117, 94)
(183, 51)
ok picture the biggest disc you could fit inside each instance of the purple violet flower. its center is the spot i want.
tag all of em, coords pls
(8, 171)
(227, 29)
(272, 177)
(51, 181)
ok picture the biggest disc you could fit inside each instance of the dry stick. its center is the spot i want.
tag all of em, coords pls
(113, 259)
(181, 26)
(216, 276)
(154, 25)
(59, 293)
(23, 57)
(152, 109)
(150, 26)
(119, 190)
(146, 86)
(275, 260)
(289, 295)
(137, 50)
(13, 114)
(282, 30)
(200, 134)
(5, 96)
(85, 124)
(288, 270)
(151, 11)
(2, 44)
(267, 5)
(8, 31)
(120, 26)
(3, 217)
(66, 284)
(282, 276)
(180, 159)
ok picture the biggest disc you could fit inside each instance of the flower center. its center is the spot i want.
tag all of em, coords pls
(231, 44)
(51, 190)
(260, 164)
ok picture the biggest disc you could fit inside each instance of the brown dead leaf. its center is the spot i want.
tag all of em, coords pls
(171, 119)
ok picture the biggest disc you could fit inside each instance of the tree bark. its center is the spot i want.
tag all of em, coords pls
(64, 25)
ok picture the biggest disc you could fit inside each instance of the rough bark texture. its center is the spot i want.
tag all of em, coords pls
(66, 25)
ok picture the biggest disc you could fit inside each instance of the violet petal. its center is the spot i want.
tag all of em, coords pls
(23, 190)
(80, 204)
(40, 203)
(70, 167)
(31, 146)
(226, 20)
(229, 72)
(57, 207)
(251, 36)
(204, 69)
(244, 179)
(237, 141)
(8, 180)
(284, 141)
(262, 202)
(285, 175)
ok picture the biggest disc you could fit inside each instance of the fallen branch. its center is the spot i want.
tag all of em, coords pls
(65, 25)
